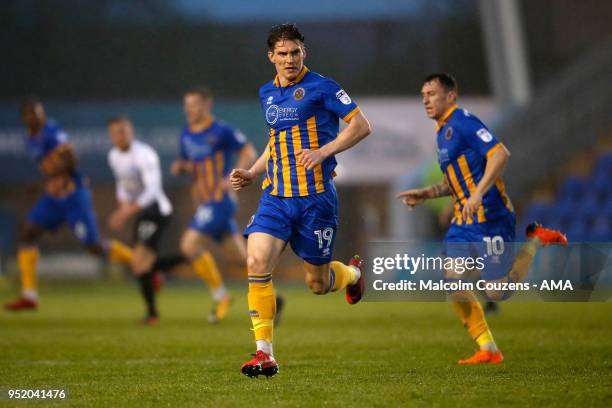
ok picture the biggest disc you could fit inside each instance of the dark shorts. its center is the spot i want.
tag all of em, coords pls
(149, 226)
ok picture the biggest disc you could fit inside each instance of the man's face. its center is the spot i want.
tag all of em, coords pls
(288, 58)
(196, 108)
(436, 99)
(121, 134)
(33, 116)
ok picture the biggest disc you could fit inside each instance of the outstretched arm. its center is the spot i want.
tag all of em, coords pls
(416, 196)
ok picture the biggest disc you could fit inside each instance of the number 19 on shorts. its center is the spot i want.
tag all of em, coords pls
(326, 238)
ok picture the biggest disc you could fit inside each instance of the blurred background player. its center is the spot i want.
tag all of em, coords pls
(66, 199)
(473, 161)
(140, 195)
(207, 152)
(299, 204)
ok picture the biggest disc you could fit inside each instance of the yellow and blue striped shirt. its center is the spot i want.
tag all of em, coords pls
(464, 145)
(303, 115)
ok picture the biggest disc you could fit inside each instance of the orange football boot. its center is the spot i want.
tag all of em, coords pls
(483, 357)
(545, 235)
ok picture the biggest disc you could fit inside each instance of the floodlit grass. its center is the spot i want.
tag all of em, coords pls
(86, 340)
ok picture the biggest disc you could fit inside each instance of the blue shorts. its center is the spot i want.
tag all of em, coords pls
(492, 240)
(216, 219)
(76, 209)
(308, 223)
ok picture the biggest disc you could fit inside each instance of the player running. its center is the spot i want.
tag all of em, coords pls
(207, 152)
(473, 161)
(299, 204)
(66, 200)
(140, 195)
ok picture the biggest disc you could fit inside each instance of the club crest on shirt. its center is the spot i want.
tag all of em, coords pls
(212, 139)
(449, 133)
(298, 94)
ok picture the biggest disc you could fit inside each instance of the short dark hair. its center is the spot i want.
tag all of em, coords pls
(202, 91)
(118, 119)
(29, 101)
(448, 82)
(286, 31)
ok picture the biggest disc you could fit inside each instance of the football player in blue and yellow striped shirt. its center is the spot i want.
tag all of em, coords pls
(473, 161)
(299, 203)
(209, 148)
(66, 200)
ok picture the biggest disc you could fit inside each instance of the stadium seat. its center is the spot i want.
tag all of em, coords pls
(601, 228)
(601, 184)
(577, 231)
(562, 214)
(572, 188)
(537, 212)
(604, 165)
(590, 206)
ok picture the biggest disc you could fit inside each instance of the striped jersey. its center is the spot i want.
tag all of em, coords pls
(464, 144)
(212, 151)
(43, 144)
(303, 115)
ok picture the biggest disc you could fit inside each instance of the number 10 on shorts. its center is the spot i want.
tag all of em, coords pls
(495, 245)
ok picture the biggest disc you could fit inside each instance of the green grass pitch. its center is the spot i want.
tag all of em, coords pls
(85, 339)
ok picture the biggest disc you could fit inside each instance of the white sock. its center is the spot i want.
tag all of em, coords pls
(219, 293)
(357, 274)
(490, 347)
(265, 346)
(30, 294)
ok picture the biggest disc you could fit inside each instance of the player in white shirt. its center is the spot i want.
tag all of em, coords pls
(140, 194)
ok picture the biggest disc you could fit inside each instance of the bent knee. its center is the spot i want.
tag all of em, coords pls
(316, 284)
(188, 248)
(29, 234)
(257, 265)
(496, 295)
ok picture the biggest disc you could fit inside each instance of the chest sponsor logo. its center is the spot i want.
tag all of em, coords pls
(195, 150)
(276, 113)
(443, 156)
(343, 97)
(272, 114)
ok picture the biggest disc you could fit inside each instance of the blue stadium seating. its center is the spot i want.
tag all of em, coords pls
(582, 207)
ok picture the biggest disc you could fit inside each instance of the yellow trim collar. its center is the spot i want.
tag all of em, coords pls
(210, 120)
(445, 117)
(300, 76)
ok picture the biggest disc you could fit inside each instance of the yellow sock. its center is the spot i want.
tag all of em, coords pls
(27, 260)
(522, 261)
(471, 314)
(119, 252)
(206, 268)
(262, 306)
(340, 275)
